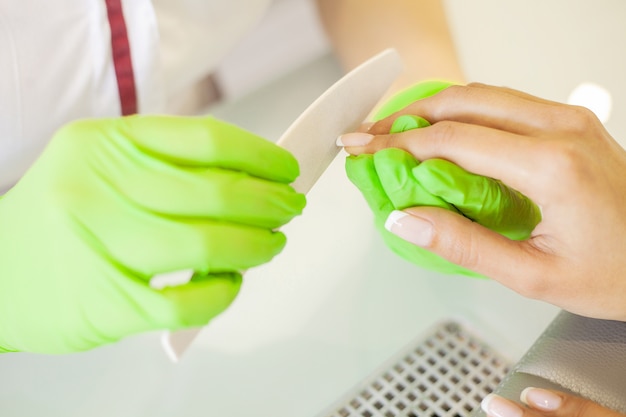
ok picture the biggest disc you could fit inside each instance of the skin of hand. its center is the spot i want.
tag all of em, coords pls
(112, 202)
(545, 403)
(560, 156)
(392, 179)
(416, 29)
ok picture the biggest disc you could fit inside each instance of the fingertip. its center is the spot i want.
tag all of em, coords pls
(361, 171)
(381, 126)
(200, 300)
(541, 399)
(486, 403)
(291, 168)
(354, 139)
(277, 245)
(393, 219)
(524, 395)
(411, 228)
(225, 289)
(300, 203)
(496, 406)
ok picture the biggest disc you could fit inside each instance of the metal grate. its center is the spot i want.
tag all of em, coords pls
(446, 374)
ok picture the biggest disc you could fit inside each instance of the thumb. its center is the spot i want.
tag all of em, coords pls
(463, 242)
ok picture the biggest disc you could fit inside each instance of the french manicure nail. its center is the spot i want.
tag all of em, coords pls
(496, 406)
(354, 139)
(410, 228)
(541, 399)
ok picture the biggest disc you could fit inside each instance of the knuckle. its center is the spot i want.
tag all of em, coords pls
(393, 140)
(583, 118)
(453, 93)
(577, 120)
(444, 133)
(441, 102)
(85, 136)
(475, 84)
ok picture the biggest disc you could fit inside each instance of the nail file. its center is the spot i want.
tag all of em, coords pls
(311, 138)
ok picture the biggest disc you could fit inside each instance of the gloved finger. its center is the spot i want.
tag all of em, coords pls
(395, 171)
(387, 183)
(209, 193)
(189, 305)
(484, 200)
(408, 96)
(408, 122)
(487, 201)
(200, 142)
(362, 173)
(200, 300)
(148, 244)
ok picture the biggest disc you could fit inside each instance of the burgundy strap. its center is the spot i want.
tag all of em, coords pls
(121, 57)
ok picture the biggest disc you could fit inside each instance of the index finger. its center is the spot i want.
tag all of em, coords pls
(206, 141)
(495, 107)
(509, 157)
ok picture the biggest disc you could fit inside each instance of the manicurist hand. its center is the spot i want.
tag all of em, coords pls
(545, 403)
(112, 202)
(560, 156)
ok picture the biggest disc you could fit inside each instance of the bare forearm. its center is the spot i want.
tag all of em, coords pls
(418, 29)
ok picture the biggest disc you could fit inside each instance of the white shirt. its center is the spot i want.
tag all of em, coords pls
(56, 63)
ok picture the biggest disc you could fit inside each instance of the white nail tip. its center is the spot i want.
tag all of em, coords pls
(484, 405)
(339, 142)
(524, 395)
(394, 218)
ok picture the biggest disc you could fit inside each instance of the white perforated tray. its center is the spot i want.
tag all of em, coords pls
(446, 373)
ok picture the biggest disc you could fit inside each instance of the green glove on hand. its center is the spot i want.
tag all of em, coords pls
(392, 179)
(112, 202)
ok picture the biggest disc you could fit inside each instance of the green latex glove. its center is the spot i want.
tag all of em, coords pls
(409, 95)
(392, 179)
(112, 202)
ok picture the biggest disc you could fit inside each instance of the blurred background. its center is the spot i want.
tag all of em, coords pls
(337, 303)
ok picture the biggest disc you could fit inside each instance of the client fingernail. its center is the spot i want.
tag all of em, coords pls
(354, 139)
(541, 399)
(496, 406)
(410, 228)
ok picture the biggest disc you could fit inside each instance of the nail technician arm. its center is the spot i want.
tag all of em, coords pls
(359, 29)
(545, 403)
(112, 202)
(561, 157)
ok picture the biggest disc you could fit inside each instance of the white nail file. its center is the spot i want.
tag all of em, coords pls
(311, 138)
